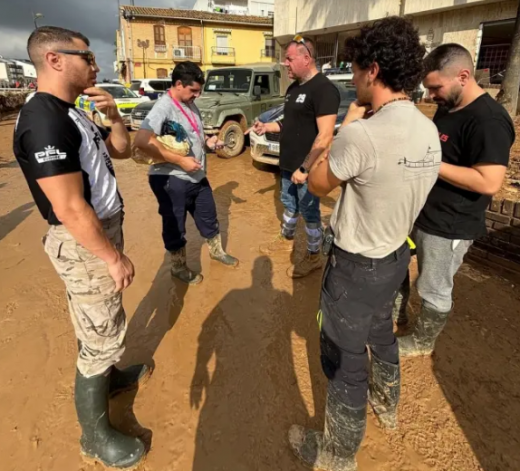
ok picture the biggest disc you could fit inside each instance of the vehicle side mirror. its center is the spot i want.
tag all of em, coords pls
(257, 91)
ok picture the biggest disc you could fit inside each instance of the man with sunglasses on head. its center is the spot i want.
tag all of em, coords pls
(307, 130)
(385, 165)
(65, 159)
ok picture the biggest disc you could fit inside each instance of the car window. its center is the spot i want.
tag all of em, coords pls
(232, 80)
(120, 92)
(135, 86)
(347, 94)
(262, 81)
(159, 85)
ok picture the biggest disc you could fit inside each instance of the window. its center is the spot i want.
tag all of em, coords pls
(270, 14)
(162, 73)
(120, 92)
(269, 47)
(158, 33)
(222, 45)
(185, 38)
(262, 81)
(159, 86)
(276, 82)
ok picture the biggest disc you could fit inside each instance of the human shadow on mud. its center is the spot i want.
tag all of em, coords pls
(476, 362)
(12, 220)
(160, 309)
(155, 316)
(245, 380)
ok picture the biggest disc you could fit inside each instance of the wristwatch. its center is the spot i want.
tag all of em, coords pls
(303, 170)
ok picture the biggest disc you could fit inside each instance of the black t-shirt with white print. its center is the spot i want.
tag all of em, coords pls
(303, 104)
(52, 138)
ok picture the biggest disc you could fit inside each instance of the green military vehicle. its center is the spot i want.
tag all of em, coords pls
(233, 97)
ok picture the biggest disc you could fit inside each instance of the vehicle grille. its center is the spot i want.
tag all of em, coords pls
(139, 114)
(272, 136)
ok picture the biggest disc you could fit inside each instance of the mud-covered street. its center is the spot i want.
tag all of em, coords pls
(237, 357)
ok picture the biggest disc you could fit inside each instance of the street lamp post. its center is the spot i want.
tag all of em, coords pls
(144, 45)
(36, 17)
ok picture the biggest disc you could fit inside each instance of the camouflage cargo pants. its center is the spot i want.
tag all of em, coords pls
(96, 311)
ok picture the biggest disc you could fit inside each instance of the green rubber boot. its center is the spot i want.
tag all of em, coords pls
(384, 391)
(130, 378)
(99, 440)
(181, 271)
(422, 339)
(216, 252)
(334, 449)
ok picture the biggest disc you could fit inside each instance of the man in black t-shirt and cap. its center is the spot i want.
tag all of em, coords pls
(66, 161)
(307, 129)
(476, 135)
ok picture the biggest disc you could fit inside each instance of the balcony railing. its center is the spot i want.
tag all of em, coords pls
(223, 55)
(187, 53)
(160, 48)
(269, 53)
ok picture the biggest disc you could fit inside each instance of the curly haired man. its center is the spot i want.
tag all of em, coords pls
(386, 166)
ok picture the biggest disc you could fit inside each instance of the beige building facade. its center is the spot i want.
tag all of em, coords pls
(484, 27)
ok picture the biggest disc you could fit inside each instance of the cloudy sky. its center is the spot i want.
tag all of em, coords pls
(96, 19)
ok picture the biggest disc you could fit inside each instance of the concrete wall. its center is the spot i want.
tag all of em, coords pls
(412, 7)
(317, 15)
(462, 25)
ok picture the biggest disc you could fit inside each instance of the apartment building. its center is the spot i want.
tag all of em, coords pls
(237, 7)
(152, 40)
(485, 27)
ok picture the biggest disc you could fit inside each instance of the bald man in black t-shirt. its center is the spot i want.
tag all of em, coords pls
(307, 128)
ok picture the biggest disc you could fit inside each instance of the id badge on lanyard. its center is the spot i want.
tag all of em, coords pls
(191, 119)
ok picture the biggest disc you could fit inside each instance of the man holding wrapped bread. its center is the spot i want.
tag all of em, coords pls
(172, 136)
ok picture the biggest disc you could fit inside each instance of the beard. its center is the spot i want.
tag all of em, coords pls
(452, 100)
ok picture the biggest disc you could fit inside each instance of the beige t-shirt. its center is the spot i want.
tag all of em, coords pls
(389, 164)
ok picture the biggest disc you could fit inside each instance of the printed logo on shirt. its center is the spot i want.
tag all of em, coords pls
(301, 98)
(443, 137)
(49, 155)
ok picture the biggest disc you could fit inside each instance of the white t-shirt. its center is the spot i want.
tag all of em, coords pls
(389, 164)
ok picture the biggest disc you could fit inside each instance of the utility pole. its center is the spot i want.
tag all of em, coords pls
(144, 45)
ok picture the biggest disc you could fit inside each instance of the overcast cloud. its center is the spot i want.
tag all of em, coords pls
(96, 19)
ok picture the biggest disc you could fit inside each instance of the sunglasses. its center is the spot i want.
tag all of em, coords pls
(301, 40)
(88, 56)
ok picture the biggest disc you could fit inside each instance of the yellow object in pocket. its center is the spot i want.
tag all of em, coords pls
(411, 243)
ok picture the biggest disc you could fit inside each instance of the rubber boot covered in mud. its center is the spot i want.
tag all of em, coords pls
(128, 379)
(216, 252)
(181, 271)
(384, 391)
(99, 440)
(422, 339)
(335, 449)
(399, 313)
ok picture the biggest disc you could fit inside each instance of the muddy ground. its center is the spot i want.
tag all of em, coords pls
(236, 358)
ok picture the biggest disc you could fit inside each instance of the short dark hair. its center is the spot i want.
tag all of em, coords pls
(187, 72)
(47, 35)
(394, 44)
(446, 55)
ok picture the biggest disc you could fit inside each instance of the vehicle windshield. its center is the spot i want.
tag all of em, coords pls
(135, 86)
(233, 80)
(120, 92)
(347, 93)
